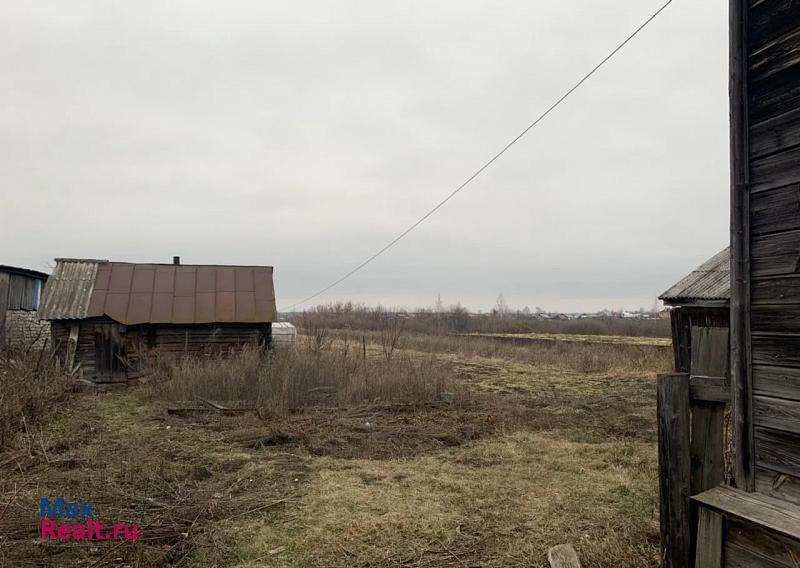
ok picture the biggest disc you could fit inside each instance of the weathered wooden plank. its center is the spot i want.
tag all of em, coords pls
(674, 462)
(776, 170)
(707, 454)
(772, 97)
(774, 57)
(775, 319)
(770, 19)
(775, 210)
(563, 556)
(762, 543)
(778, 451)
(709, 539)
(776, 413)
(775, 134)
(707, 446)
(740, 30)
(778, 485)
(767, 512)
(710, 389)
(710, 352)
(779, 350)
(777, 254)
(777, 382)
(776, 290)
(738, 557)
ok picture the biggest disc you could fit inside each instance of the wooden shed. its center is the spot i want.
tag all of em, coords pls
(103, 314)
(20, 295)
(700, 299)
(751, 518)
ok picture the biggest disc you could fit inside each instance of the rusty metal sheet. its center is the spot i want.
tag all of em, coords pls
(185, 280)
(121, 277)
(139, 307)
(262, 278)
(206, 279)
(246, 307)
(103, 277)
(226, 306)
(165, 280)
(183, 309)
(162, 308)
(265, 310)
(116, 306)
(226, 281)
(143, 279)
(205, 306)
(244, 279)
(171, 294)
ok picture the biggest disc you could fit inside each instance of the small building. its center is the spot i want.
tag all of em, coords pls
(700, 299)
(20, 296)
(105, 315)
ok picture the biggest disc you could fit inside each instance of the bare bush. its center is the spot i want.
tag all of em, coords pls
(390, 337)
(31, 383)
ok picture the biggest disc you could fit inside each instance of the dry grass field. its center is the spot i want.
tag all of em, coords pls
(365, 449)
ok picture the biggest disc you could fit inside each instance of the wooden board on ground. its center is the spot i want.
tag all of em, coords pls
(202, 406)
(563, 556)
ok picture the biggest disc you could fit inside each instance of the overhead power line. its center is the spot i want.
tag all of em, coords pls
(480, 170)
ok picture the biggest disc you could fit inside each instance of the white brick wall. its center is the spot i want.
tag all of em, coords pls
(23, 328)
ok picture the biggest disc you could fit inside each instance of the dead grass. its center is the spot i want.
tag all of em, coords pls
(285, 380)
(497, 502)
(620, 357)
(30, 385)
(452, 451)
(579, 338)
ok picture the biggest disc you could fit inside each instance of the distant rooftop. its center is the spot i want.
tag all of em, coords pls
(710, 283)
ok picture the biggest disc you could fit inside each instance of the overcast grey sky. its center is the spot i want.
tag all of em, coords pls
(307, 134)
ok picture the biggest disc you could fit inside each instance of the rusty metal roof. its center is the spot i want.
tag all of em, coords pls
(172, 294)
(709, 283)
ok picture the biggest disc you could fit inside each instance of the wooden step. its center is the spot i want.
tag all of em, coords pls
(772, 514)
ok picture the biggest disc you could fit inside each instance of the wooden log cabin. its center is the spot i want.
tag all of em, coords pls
(754, 519)
(104, 314)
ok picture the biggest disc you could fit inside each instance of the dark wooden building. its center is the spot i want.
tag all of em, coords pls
(754, 520)
(700, 299)
(103, 314)
(20, 296)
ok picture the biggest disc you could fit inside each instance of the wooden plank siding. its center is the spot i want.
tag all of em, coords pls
(766, 216)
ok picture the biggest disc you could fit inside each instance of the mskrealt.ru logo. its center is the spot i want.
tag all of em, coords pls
(89, 530)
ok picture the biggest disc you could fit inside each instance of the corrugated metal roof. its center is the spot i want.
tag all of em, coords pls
(710, 282)
(23, 272)
(166, 293)
(69, 288)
